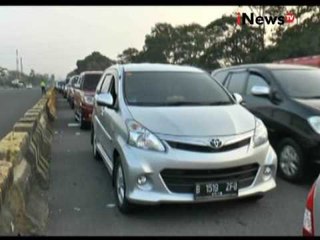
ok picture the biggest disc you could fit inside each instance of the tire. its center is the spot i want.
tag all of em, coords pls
(95, 151)
(83, 124)
(122, 203)
(291, 160)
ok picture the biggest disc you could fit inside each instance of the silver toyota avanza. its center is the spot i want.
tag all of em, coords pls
(171, 133)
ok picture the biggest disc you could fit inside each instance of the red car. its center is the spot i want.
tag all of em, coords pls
(311, 221)
(313, 61)
(84, 95)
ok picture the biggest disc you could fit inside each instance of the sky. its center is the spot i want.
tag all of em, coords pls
(51, 39)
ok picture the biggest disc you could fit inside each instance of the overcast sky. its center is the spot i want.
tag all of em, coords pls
(52, 39)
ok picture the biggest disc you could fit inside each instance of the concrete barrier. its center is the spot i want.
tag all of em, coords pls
(24, 170)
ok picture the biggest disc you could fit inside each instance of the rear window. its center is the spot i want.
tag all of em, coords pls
(91, 81)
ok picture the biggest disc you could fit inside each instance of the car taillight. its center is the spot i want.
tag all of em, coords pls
(308, 220)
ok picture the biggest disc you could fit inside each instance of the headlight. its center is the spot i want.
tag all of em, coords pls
(88, 100)
(315, 123)
(260, 133)
(141, 137)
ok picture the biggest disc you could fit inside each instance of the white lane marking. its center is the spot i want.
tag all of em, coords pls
(73, 125)
(111, 205)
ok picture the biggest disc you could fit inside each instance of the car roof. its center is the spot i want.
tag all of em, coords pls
(91, 72)
(157, 67)
(269, 66)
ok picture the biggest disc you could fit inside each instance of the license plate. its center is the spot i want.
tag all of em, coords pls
(215, 189)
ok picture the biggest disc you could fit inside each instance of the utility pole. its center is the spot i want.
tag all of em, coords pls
(17, 61)
(21, 67)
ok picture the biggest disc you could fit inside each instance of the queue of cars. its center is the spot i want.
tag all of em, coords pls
(176, 134)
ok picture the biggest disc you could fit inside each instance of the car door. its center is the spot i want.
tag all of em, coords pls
(102, 117)
(97, 110)
(258, 105)
(110, 116)
(267, 108)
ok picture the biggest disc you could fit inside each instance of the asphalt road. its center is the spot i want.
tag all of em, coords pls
(81, 200)
(13, 104)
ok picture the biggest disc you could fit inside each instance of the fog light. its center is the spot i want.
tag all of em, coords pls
(142, 180)
(267, 173)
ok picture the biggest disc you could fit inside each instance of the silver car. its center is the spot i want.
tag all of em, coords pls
(171, 133)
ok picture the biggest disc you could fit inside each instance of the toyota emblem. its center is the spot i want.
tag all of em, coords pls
(216, 143)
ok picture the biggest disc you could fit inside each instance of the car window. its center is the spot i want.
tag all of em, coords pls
(112, 89)
(220, 76)
(91, 81)
(173, 89)
(299, 83)
(237, 82)
(255, 80)
(98, 89)
(106, 84)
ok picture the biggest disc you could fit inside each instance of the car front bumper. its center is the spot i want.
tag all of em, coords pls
(139, 162)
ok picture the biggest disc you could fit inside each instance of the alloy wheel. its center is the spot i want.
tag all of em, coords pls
(120, 185)
(289, 160)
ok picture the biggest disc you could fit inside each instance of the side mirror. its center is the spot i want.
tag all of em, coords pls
(238, 98)
(260, 91)
(104, 100)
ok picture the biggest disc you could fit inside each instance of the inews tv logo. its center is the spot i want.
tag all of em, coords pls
(251, 19)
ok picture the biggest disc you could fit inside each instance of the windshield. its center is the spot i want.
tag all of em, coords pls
(91, 81)
(173, 89)
(299, 83)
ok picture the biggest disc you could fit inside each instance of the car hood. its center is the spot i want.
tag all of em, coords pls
(312, 103)
(195, 121)
(89, 93)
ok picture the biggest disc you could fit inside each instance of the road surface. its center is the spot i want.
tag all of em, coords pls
(13, 104)
(81, 200)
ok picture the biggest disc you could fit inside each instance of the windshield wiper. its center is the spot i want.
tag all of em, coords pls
(312, 97)
(197, 103)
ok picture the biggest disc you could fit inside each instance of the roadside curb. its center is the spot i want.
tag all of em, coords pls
(24, 170)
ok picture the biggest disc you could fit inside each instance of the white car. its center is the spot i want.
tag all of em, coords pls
(29, 86)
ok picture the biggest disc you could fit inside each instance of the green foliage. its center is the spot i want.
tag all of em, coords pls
(222, 42)
(95, 61)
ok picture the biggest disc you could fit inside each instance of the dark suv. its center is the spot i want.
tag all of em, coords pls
(287, 99)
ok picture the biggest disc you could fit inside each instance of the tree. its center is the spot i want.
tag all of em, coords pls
(128, 55)
(188, 44)
(158, 44)
(94, 62)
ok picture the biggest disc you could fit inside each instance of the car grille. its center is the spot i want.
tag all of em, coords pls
(183, 181)
(199, 148)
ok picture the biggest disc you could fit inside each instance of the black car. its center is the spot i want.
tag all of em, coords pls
(287, 99)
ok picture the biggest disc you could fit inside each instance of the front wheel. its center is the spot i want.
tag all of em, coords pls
(291, 160)
(120, 189)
